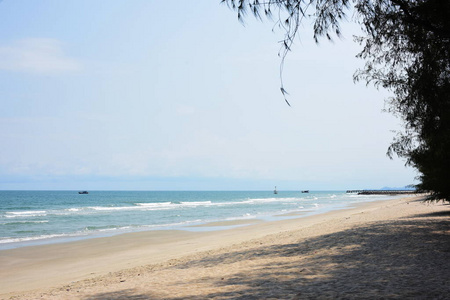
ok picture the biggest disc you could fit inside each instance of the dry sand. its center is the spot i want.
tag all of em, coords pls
(395, 249)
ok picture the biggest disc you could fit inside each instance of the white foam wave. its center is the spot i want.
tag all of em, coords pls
(24, 222)
(269, 200)
(151, 206)
(111, 208)
(106, 229)
(30, 212)
(25, 214)
(36, 238)
(161, 204)
(196, 203)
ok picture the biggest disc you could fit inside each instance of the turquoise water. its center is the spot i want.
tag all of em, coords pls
(39, 217)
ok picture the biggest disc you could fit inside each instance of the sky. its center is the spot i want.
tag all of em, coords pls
(179, 95)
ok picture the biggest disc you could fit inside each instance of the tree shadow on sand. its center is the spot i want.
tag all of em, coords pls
(402, 259)
(128, 294)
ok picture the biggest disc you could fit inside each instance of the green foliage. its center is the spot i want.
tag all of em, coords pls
(407, 51)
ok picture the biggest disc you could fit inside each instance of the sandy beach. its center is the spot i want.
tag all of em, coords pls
(395, 249)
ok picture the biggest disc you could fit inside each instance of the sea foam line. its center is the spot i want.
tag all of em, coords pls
(25, 214)
(8, 240)
(24, 222)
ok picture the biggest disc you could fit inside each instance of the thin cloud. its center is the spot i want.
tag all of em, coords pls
(38, 56)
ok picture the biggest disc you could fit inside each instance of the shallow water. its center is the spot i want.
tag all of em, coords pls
(39, 217)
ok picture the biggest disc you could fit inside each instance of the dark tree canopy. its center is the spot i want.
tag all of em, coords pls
(406, 47)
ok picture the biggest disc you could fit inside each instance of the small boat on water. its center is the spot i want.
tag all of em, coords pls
(275, 190)
(305, 191)
(83, 192)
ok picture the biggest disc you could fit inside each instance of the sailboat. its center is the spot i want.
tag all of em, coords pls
(275, 190)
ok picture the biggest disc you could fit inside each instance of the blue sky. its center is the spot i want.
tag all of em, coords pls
(159, 95)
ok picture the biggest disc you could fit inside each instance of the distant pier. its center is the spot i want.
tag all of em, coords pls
(382, 192)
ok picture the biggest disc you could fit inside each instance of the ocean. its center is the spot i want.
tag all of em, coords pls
(40, 217)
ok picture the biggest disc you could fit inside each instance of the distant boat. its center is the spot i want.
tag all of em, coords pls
(275, 191)
(306, 191)
(83, 192)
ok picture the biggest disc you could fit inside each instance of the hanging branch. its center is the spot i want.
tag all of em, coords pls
(291, 13)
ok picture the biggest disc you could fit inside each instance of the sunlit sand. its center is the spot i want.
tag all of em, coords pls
(393, 249)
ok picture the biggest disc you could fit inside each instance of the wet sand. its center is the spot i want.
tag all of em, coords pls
(394, 249)
(228, 223)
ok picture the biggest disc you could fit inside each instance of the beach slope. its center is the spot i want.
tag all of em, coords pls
(397, 249)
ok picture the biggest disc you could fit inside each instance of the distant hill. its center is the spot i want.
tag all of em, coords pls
(407, 188)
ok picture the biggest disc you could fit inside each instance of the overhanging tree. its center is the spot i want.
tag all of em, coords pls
(406, 47)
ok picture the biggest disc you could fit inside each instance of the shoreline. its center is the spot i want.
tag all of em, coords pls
(199, 225)
(31, 271)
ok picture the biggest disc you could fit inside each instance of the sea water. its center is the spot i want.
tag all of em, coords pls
(40, 217)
